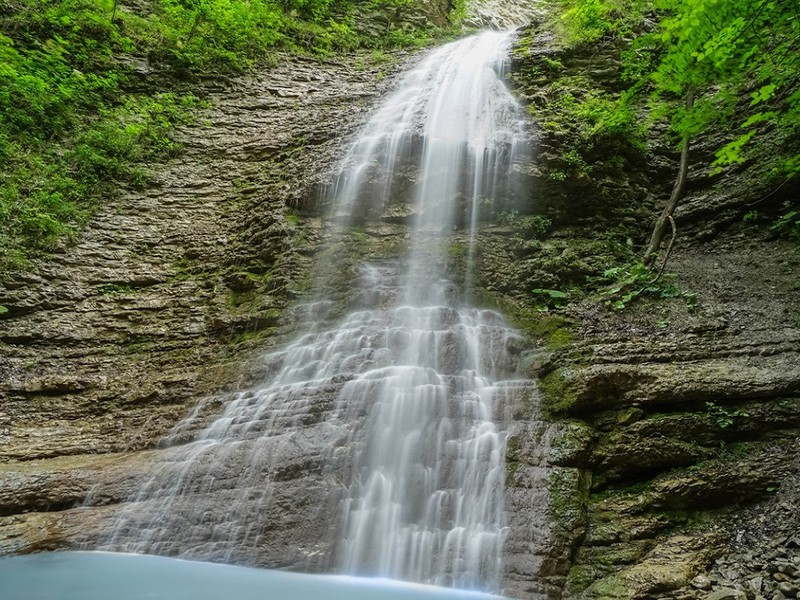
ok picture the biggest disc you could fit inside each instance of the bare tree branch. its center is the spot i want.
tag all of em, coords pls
(676, 196)
(669, 250)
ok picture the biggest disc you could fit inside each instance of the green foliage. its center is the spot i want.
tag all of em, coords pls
(529, 226)
(398, 38)
(724, 50)
(205, 33)
(598, 116)
(635, 281)
(71, 134)
(609, 117)
(599, 131)
(719, 52)
(68, 131)
(588, 21)
(458, 11)
(721, 416)
(549, 299)
(750, 216)
(47, 191)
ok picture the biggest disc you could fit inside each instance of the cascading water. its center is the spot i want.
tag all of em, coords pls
(403, 393)
(426, 502)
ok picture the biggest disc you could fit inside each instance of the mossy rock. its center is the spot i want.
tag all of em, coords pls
(568, 493)
(559, 393)
(573, 444)
(628, 455)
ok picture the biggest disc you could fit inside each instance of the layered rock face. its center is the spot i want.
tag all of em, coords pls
(672, 433)
(107, 345)
(675, 469)
(152, 315)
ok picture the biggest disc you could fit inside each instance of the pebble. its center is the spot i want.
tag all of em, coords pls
(756, 583)
(787, 589)
(727, 594)
(701, 582)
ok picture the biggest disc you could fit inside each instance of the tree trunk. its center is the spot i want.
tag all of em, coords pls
(675, 197)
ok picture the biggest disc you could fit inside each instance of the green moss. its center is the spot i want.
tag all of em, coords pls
(548, 328)
(511, 471)
(140, 347)
(568, 490)
(609, 557)
(292, 218)
(738, 450)
(560, 338)
(579, 578)
(251, 337)
(525, 226)
(457, 250)
(558, 393)
(611, 587)
(573, 441)
(234, 298)
(624, 492)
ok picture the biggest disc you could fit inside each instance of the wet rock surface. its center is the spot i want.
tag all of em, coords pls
(204, 269)
(674, 468)
(674, 459)
(676, 452)
(108, 344)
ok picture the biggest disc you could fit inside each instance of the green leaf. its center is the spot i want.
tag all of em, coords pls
(3, 309)
(551, 293)
(759, 118)
(765, 93)
(732, 153)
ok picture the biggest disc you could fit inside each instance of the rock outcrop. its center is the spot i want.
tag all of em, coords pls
(674, 470)
(108, 344)
(666, 468)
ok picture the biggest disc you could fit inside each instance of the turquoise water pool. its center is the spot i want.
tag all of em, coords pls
(111, 576)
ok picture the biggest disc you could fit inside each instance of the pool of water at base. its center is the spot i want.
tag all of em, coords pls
(108, 575)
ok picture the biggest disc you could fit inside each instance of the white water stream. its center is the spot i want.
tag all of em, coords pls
(427, 499)
(403, 393)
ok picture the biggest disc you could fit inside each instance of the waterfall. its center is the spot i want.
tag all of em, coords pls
(426, 502)
(393, 410)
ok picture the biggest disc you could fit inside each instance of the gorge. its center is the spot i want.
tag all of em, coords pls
(336, 335)
(395, 402)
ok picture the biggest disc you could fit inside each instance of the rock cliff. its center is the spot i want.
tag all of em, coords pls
(659, 459)
(674, 472)
(107, 345)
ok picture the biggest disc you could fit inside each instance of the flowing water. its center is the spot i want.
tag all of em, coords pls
(396, 405)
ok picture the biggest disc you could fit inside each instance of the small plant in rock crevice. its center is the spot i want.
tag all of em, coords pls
(635, 281)
(530, 226)
(549, 299)
(722, 416)
(789, 224)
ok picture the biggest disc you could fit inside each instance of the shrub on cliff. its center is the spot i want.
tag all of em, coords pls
(71, 132)
(727, 67)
